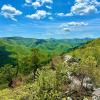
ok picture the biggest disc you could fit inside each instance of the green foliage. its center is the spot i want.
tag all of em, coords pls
(90, 60)
(44, 88)
(48, 84)
(7, 73)
(57, 46)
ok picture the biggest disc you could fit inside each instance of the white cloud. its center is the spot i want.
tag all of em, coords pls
(77, 24)
(79, 1)
(67, 29)
(49, 7)
(83, 7)
(40, 14)
(60, 14)
(64, 15)
(68, 14)
(10, 12)
(74, 24)
(28, 1)
(36, 4)
(39, 3)
(42, 2)
(51, 18)
(46, 1)
(92, 2)
(67, 26)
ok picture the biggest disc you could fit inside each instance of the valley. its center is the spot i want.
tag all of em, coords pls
(35, 68)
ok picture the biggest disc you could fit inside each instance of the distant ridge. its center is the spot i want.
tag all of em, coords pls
(15, 37)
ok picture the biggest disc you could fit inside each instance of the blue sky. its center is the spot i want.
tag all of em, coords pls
(50, 18)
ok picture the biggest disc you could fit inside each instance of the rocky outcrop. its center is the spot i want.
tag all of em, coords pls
(79, 85)
(67, 58)
(80, 81)
(71, 59)
(87, 83)
(96, 94)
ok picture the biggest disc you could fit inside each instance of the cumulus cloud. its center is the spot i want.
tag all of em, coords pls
(40, 14)
(60, 14)
(75, 24)
(68, 26)
(63, 15)
(46, 1)
(83, 7)
(9, 11)
(28, 1)
(49, 7)
(36, 4)
(66, 29)
(51, 18)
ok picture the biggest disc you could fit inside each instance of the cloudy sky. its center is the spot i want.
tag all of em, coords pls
(50, 18)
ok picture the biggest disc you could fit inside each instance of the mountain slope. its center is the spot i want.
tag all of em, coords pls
(56, 46)
(89, 52)
(11, 47)
(91, 49)
(8, 51)
(47, 79)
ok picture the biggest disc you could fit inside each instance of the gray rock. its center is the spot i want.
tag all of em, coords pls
(87, 83)
(69, 98)
(96, 94)
(77, 82)
(71, 59)
(67, 58)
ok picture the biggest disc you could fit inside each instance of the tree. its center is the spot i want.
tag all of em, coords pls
(8, 73)
(35, 60)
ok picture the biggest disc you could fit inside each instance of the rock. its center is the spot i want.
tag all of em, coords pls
(71, 59)
(69, 98)
(96, 94)
(85, 99)
(79, 82)
(67, 58)
(87, 83)
(75, 84)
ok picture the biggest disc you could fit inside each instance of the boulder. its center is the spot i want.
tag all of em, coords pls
(71, 59)
(67, 58)
(79, 82)
(96, 94)
(87, 83)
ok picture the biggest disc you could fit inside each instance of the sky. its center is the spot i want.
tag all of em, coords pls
(59, 19)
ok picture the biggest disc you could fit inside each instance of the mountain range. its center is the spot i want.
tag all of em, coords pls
(12, 46)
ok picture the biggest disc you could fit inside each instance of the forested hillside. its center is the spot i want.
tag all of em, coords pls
(74, 74)
(89, 50)
(56, 46)
(90, 59)
(12, 47)
(10, 50)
